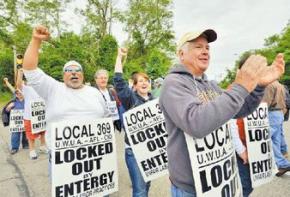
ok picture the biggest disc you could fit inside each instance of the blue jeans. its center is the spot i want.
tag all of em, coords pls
(284, 148)
(276, 127)
(140, 187)
(244, 171)
(177, 192)
(15, 140)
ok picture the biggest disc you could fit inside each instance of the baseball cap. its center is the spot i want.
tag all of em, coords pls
(159, 80)
(189, 36)
(72, 63)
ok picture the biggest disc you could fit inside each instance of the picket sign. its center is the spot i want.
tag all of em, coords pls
(16, 123)
(214, 164)
(145, 128)
(84, 161)
(38, 121)
(259, 146)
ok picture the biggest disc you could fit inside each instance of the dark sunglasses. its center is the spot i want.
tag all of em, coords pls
(71, 70)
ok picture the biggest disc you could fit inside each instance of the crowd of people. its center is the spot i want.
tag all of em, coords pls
(191, 103)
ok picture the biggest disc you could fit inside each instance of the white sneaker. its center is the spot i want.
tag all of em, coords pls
(33, 155)
(43, 149)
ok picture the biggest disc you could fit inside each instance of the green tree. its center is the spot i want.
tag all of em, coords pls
(6, 66)
(99, 17)
(157, 64)
(149, 25)
(107, 54)
(47, 13)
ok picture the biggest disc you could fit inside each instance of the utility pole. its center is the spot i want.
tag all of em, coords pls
(15, 63)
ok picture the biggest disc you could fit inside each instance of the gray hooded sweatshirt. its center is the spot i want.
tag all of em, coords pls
(197, 106)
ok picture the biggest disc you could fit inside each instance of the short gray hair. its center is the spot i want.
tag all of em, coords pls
(185, 46)
(101, 71)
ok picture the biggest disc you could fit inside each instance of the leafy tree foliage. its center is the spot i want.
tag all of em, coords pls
(6, 65)
(107, 54)
(273, 45)
(99, 17)
(148, 24)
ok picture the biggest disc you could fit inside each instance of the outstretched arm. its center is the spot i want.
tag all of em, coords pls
(125, 94)
(122, 52)
(30, 61)
(19, 79)
(10, 87)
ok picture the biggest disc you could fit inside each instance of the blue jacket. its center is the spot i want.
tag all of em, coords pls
(128, 97)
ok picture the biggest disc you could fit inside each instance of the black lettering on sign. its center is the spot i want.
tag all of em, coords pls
(74, 132)
(148, 133)
(84, 185)
(82, 153)
(37, 104)
(86, 166)
(218, 174)
(139, 116)
(104, 128)
(259, 134)
(154, 162)
(259, 113)
(262, 166)
(230, 190)
(38, 125)
(16, 117)
(156, 143)
(39, 118)
(266, 147)
(38, 113)
(219, 138)
(159, 109)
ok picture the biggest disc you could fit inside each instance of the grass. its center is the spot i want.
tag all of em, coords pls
(4, 98)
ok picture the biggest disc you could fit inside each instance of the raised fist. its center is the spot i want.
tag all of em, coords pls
(40, 33)
(122, 51)
(5, 79)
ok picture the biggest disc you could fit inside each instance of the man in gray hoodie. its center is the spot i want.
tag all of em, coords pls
(194, 105)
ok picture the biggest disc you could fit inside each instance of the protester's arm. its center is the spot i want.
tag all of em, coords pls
(43, 84)
(30, 61)
(10, 87)
(187, 111)
(266, 76)
(19, 79)
(9, 107)
(239, 147)
(191, 113)
(251, 102)
(122, 52)
(125, 94)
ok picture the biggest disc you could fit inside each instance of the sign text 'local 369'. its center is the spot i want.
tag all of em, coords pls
(145, 128)
(84, 159)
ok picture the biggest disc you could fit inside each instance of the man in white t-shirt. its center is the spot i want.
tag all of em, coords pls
(64, 101)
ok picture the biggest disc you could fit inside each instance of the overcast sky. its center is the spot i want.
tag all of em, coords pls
(241, 25)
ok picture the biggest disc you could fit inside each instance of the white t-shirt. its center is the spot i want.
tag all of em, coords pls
(29, 96)
(105, 93)
(64, 103)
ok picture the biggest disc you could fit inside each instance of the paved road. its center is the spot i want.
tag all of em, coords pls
(22, 177)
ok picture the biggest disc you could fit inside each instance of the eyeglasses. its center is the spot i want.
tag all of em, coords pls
(71, 70)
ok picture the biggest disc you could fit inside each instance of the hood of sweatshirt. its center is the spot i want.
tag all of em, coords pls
(182, 69)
